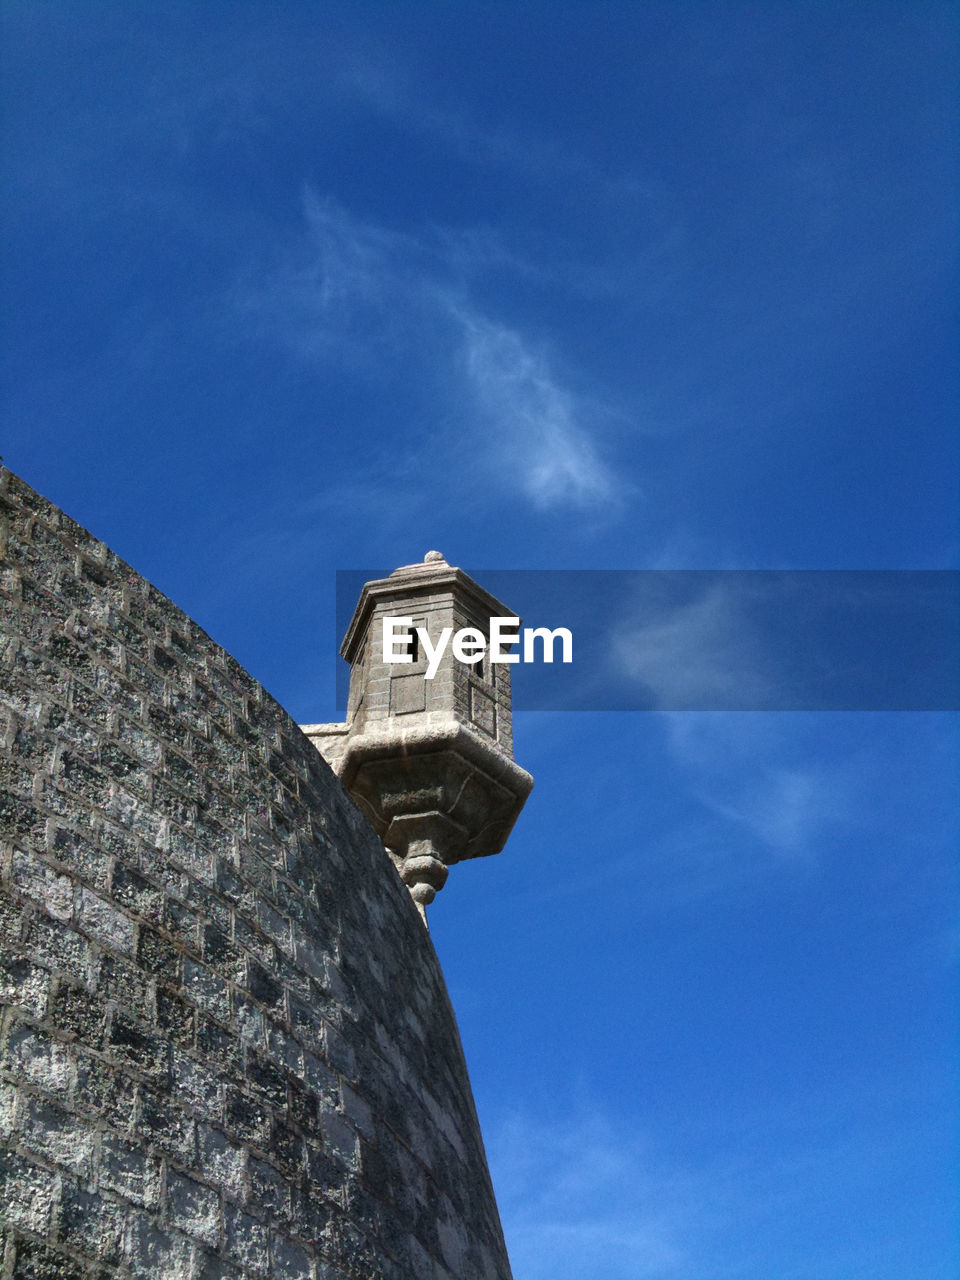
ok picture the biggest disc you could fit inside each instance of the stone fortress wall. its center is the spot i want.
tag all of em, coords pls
(226, 1046)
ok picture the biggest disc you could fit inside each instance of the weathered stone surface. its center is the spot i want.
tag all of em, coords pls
(213, 1059)
(426, 751)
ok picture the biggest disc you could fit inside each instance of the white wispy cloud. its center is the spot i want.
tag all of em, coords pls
(580, 1199)
(783, 807)
(693, 653)
(396, 304)
(763, 773)
(702, 658)
(537, 419)
(594, 1197)
(344, 291)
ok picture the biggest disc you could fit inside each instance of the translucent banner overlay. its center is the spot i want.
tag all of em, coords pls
(725, 640)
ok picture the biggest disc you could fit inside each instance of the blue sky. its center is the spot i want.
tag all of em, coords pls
(294, 287)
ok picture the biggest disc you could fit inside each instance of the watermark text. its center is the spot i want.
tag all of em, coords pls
(403, 643)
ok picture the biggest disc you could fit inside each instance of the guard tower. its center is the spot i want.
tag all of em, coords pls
(430, 762)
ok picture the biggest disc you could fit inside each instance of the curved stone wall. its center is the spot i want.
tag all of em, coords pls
(227, 1048)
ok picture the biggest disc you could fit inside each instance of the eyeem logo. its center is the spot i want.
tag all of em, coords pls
(470, 645)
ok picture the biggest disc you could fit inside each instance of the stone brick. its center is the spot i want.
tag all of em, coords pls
(246, 1119)
(69, 728)
(82, 781)
(193, 1208)
(118, 841)
(266, 1081)
(453, 1244)
(310, 1217)
(92, 705)
(78, 1012)
(52, 892)
(289, 1261)
(125, 1169)
(196, 1084)
(167, 727)
(158, 957)
(26, 1192)
(150, 686)
(182, 923)
(20, 819)
(117, 980)
(23, 985)
(340, 1139)
(107, 1093)
(134, 812)
(263, 986)
(304, 1108)
(16, 777)
(176, 1018)
(269, 1191)
(137, 894)
(101, 920)
(222, 1049)
(124, 768)
(284, 1050)
(357, 1111)
(221, 954)
(308, 1024)
(274, 925)
(8, 1110)
(143, 746)
(26, 702)
(246, 1240)
(33, 1057)
(286, 1146)
(228, 883)
(186, 853)
(138, 1047)
(251, 1023)
(86, 1223)
(222, 1160)
(11, 919)
(58, 949)
(210, 1266)
(339, 1052)
(35, 1261)
(207, 989)
(157, 1254)
(208, 907)
(58, 1136)
(321, 1081)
